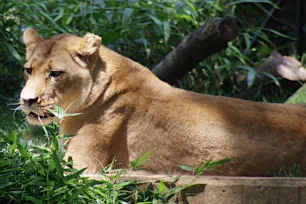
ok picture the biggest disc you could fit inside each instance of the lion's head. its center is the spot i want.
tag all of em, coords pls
(58, 72)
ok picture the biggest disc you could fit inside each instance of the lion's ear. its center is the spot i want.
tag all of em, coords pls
(87, 54)
(31, 36)
(91, 44)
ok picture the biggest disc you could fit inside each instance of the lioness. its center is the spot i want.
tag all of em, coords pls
(126, 111)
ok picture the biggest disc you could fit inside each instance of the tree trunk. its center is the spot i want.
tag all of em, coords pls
(210, 38)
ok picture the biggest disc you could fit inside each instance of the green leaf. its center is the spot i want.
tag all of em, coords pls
(237, 53)
(14, 140)
(41, 171)
(121, 185)
(5, 163)
(162, 188)
(219, 162)
(109, 16)
(279, 33)
(252, 1)
(33, 199)
(56, 163)
(13, 51)
(183, 16)
(275, 80)
(52, 21)
(101, 3)
(66, 136)
(23, 151)
(41, 148)
(111, 37)
(61, 114)
(251, 76)
(70, 162)
(60, 15)
(166, 27)
(127, 13)
(175, 190)
(299, 97)
(55, 143)
(247, 40)
(191, 6)
(201, 169)
(187, 168)
(81, 190)
(74, 175)
(156, 20)
(61, 152)
(140, 161)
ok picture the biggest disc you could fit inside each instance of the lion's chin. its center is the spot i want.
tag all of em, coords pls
(35, 119)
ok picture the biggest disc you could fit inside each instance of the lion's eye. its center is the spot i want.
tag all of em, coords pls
(55, 73)
(28, 70)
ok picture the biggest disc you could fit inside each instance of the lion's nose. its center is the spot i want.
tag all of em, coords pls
(29, 102)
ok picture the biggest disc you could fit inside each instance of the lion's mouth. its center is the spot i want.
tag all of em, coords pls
(45, 116)
(40, 119)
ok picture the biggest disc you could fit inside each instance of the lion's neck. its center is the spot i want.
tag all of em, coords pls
(116, 74)
(113, 77)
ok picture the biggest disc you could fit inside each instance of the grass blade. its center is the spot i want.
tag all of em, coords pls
(56, 163)
(127, 13)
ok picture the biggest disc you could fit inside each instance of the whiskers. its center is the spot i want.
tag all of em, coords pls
(18, 108)
(13, 104)
(16, 103)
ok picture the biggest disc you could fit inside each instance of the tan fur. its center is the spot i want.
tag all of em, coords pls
(126, 111)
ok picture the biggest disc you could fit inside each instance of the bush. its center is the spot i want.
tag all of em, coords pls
(146, 31)
(38, 174)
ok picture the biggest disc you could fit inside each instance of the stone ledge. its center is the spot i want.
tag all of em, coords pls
(231, 190)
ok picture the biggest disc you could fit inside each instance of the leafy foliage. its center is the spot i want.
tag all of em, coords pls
(208, 165)
(39, 174)
(292, 171)
(146, 31)
(136, 165)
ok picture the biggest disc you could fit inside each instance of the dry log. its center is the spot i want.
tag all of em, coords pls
(284, 66)
(210, 38)
(279, 66)
(288, 68)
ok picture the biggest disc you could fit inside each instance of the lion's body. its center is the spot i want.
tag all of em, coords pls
(128, 111)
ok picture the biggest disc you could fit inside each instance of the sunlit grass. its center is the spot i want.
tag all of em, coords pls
(38, 174)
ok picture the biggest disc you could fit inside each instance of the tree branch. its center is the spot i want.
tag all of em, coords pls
(210, 38)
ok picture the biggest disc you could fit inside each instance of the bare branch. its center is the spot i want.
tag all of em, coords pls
(210, 38)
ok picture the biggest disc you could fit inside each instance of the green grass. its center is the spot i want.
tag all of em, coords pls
(208, 165)
(293, 171)
(38, 174)
(31, 173)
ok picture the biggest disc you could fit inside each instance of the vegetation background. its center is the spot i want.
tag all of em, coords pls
(145, 31)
